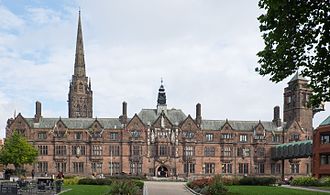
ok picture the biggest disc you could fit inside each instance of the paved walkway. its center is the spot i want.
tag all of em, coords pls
(306, 188)
(165, 188)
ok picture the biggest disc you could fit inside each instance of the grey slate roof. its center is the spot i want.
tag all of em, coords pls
(176, 116)
(76, 123)
(326, 121)
(149, 116)
(238, 125)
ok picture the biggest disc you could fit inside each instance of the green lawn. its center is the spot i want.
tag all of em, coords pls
(86, 189)
(323, 188)
(234, 190)
(267, 190)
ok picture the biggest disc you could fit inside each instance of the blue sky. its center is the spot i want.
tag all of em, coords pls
(204, 50)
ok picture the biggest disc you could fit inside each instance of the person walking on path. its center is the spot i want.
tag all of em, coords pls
(32, 173)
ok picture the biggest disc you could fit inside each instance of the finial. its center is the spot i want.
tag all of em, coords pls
(161, 80)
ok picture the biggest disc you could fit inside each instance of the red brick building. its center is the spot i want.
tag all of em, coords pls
(161, 141)
(321, 150)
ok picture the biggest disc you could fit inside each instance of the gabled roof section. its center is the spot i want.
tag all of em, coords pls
(20, 117)
(162, 121)
(149, 116)
(226, 126)
(239, 125)
(189, 124)
(135, 122)
(96, 125)
(295, 126)
(76, 123)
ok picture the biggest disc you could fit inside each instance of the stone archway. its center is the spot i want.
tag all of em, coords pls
(162, 171)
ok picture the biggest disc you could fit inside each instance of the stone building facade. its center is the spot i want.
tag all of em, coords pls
(160, 141)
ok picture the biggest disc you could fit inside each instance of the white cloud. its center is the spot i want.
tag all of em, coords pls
(204, 50)
(9, 21)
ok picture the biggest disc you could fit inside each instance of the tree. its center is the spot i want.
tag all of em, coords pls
(17, 151)
(297, 38)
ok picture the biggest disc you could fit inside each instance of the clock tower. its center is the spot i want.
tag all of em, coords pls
(80, 92)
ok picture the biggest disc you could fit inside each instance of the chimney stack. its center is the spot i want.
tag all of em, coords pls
(277, 119)
(37, 116)
(123, 117)
(198, 114)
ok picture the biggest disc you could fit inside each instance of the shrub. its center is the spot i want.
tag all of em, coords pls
(305, 181)
(263, 181)
(98, 181)
(138, 183)
(123, 187)
(216, 186)
(229, 180)
(200, 183)
(71, 181)
(325, 181)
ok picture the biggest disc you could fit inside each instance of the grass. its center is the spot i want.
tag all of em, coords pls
(86, 189)
(234, 190)
(269, 190)
(323, 187)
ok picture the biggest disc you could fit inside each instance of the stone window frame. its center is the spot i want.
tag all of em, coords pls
(42, 135)
(209, 168)
(243, 138)
(209, 151)
(209, 137)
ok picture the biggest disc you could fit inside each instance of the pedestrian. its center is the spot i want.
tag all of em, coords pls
(32, 173)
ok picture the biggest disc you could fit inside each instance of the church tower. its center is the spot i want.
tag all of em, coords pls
(295, 103)
(80, 92)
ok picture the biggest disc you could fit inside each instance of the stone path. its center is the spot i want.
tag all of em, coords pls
(306, 188)
(165, 188)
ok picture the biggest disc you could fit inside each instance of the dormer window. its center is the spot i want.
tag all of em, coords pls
(209, 137)
(59, 134)
(227, 136)
(78, 136)
(42, 135)
(243, 138)
(188, 135)
(135, 133)
(259, 136)
(295, 137)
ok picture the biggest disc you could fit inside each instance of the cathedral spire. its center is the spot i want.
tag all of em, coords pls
(79, 64)
(80, 92)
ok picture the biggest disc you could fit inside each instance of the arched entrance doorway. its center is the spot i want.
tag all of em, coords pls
(162, 171)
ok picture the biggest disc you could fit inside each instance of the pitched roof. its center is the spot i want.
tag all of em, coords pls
(326, 121)
(239, 125)
(176, 116)
(76, 123)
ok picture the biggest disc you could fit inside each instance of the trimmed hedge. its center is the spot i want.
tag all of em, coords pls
(71, 180)
(120, 177)
(305, 181)
(259, 181)
(98, 181)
